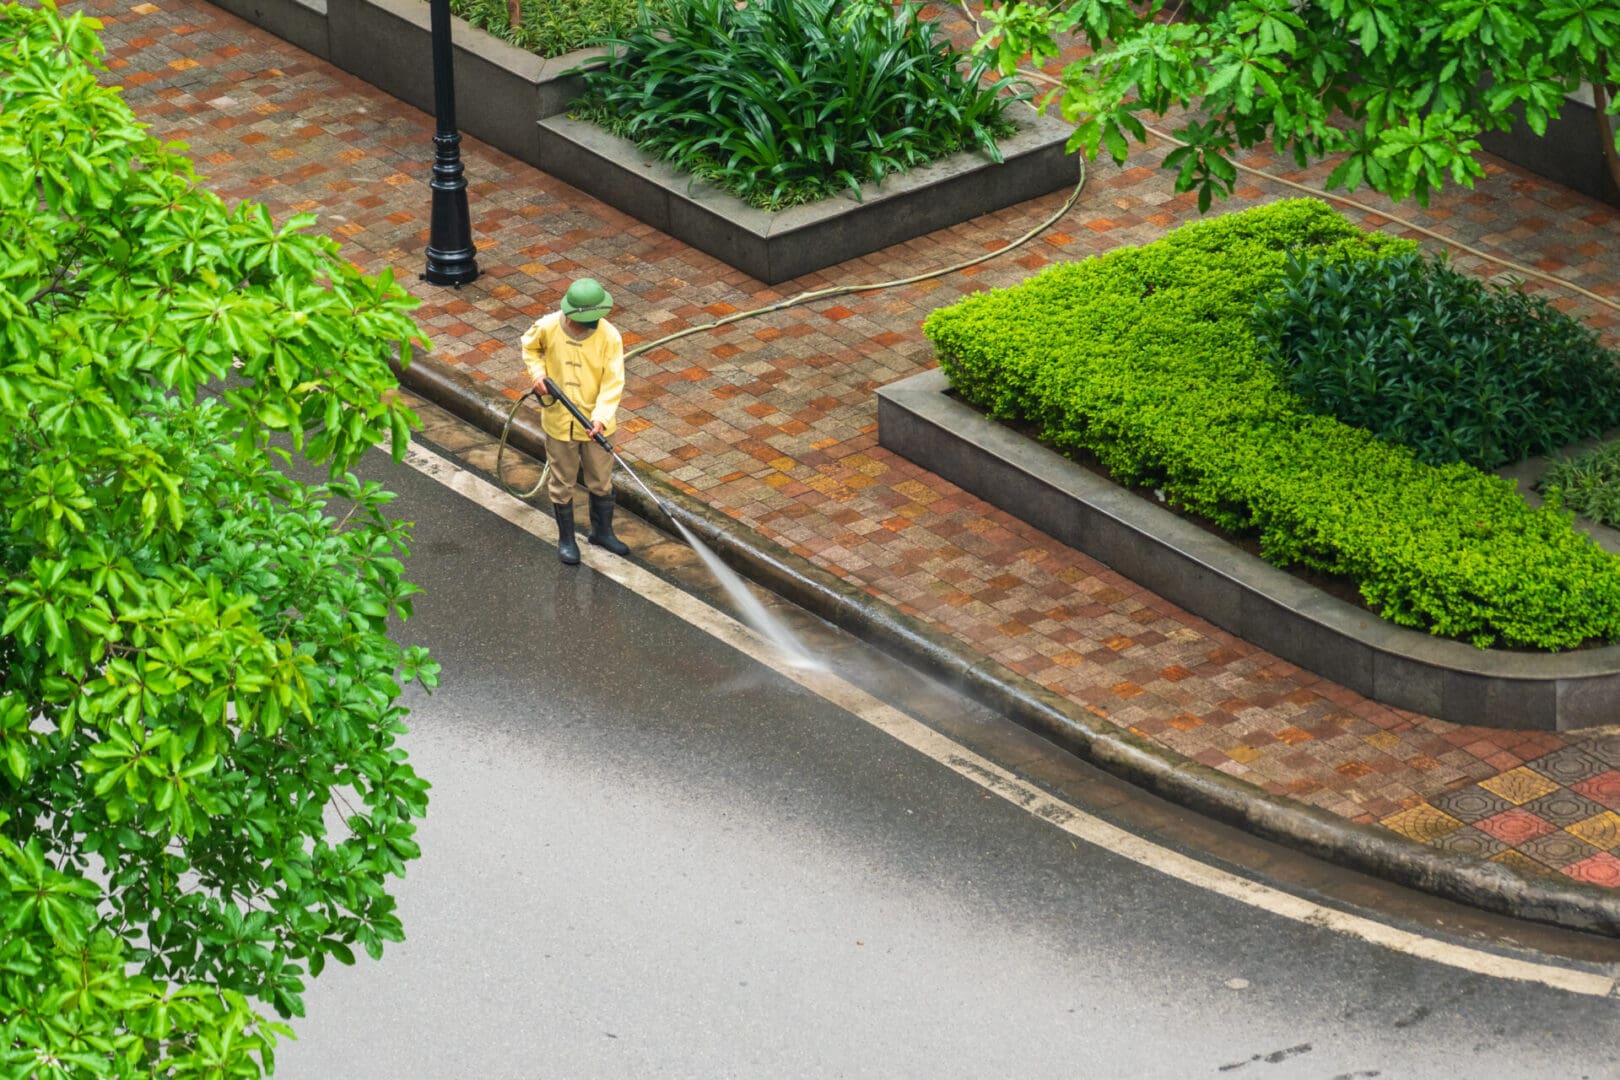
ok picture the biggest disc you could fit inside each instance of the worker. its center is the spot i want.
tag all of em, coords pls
(583, 355)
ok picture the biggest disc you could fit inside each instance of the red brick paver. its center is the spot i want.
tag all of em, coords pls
(773, 420)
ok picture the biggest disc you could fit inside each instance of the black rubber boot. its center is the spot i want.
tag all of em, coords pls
(602, 526)
(567, 550)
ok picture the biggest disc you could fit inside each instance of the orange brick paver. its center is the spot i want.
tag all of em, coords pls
(773, 420)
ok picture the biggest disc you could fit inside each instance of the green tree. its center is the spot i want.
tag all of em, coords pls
(1402, 88)
(201, 795)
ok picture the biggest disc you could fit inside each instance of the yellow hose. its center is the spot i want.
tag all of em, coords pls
(794, 301)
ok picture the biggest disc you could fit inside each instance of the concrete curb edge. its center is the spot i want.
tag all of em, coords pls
(1237, 591)
(1371, 850)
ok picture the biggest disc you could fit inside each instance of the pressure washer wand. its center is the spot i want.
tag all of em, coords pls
(555, 391)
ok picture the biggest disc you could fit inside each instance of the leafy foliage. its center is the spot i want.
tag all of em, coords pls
(553, 27)
(201, 799)
(1145, 358)
(1422, 355)
(1587, 484)
(1402, 88)
(788, 101)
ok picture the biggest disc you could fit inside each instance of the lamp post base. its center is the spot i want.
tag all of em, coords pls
(456, 268)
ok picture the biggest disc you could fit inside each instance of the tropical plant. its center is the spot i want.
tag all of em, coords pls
(1144, 357)
(1587, 484)
(1401, 88)
(789, 101)
(552, 27)
(1425, 356)
(201, 795)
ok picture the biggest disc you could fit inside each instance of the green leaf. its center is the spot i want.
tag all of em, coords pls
(171, 620)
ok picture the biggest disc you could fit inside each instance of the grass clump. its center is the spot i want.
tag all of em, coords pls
(1587, 484)
(783, 102)
(553, 27)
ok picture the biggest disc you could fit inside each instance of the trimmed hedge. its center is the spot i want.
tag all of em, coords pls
(1144, 357)
(1425, 356)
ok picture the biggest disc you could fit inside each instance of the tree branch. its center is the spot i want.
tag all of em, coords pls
(1601, 96)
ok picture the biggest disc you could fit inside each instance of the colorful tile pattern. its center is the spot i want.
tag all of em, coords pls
(1528, 813)
(773, 420)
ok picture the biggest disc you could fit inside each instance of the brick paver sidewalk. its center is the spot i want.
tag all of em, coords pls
(773, 421)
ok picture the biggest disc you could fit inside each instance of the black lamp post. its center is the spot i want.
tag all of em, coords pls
(451, 257)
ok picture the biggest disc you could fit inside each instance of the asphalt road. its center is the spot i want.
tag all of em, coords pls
(648, 855)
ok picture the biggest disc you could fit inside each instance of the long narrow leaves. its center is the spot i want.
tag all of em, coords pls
(787, 101)
(551, 27)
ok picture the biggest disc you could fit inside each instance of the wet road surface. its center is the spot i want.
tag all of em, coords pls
(648, 855)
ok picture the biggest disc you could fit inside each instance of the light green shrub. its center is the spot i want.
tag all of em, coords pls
(1144, 357)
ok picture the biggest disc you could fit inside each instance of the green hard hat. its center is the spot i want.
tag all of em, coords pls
(586, 300)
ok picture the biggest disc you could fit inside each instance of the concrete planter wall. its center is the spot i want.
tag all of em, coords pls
(298, 22)
(1215, 580)
(1569, 154)
(501, 90)
(514, 101)
(776, 246)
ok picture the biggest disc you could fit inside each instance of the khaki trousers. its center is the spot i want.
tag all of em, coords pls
(568, 458)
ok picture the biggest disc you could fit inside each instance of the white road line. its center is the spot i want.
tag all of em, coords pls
(992, 777)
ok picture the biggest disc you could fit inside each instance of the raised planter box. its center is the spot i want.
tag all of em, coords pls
(298, 22)
(1237, 591)
(385, 42)
(1569, 153)
(776, 246)
(514, 101)
(501, 90)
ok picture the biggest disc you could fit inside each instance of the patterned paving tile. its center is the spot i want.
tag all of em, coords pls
(1570, 765)
(1605, 749)
(1558, 849)
(773, 421)
(1423, 823)
(1563, 807)
(1519, 786)
(1600, 869)
(1471, 803)
(1601, 830)
(1522, 863)
(1603, 788)
(1470, 841)
(1515, 827)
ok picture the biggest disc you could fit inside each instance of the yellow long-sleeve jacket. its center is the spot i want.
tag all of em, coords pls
(590, 372)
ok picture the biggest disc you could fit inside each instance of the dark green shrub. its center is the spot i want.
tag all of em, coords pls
(1588, 484)
(1145, 358)
(788, 101)
(1422, 355)
(553, 27)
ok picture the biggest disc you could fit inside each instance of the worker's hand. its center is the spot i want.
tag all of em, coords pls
(596, 428)
(540, 390)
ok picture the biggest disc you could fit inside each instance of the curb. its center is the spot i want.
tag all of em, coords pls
(1319, 833)
(1243, 594)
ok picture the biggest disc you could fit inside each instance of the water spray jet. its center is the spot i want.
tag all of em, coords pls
(748, 605)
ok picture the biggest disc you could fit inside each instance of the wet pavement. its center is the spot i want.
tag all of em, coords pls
(648, 854)
(773, 420)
